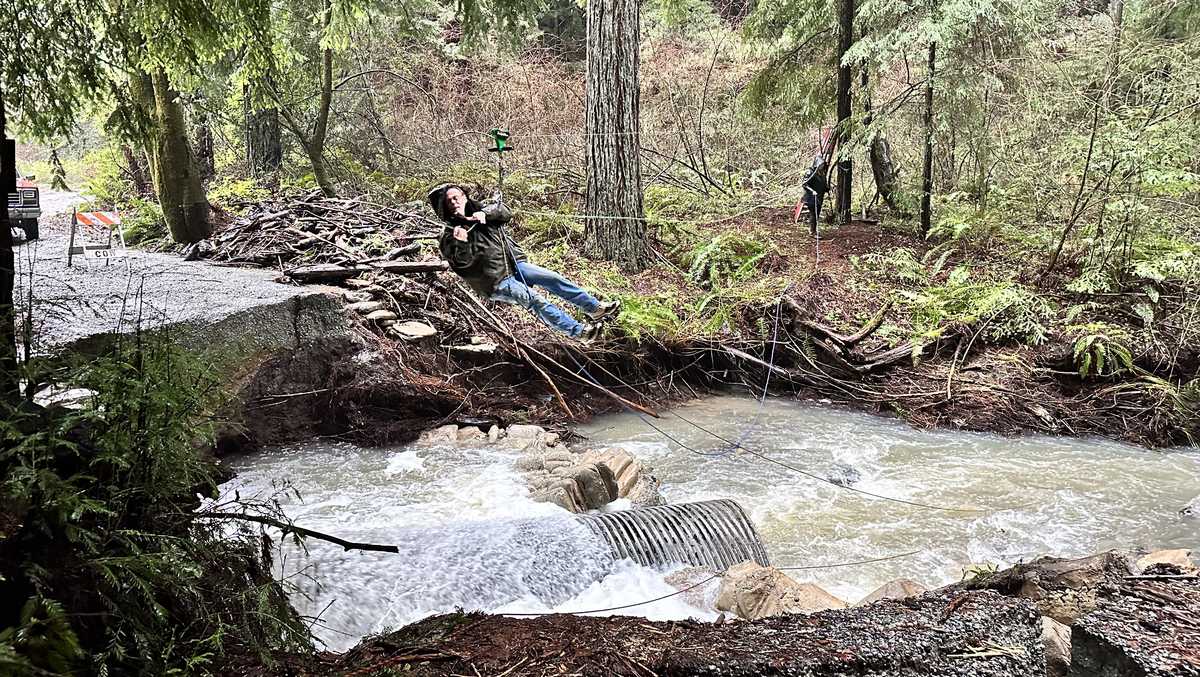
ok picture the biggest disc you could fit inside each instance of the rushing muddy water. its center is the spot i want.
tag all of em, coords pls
(471, 538)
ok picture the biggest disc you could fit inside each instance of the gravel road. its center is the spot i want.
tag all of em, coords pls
(81, 301)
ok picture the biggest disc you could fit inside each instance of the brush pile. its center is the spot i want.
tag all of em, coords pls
(313, 238)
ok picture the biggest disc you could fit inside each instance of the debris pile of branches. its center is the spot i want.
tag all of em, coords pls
(313, 238)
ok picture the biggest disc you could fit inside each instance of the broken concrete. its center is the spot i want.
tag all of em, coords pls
(901, 588)
(1056, 640)
(1180, 557)
(1063, 589)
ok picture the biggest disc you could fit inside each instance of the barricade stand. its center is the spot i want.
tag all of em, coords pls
(95, 252)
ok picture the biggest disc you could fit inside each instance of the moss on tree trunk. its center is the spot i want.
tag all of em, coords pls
(173, 169)
(180, 191)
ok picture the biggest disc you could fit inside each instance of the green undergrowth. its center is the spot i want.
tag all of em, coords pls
(104, 569)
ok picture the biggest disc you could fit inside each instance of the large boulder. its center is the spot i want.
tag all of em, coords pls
(901, 588)
(530, 439)
(1056, 639)
(589, 485)
(633, 478)
(447, 434)
(1180, 558)
(753, 591)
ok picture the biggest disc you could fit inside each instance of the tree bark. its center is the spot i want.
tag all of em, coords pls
(205, 160)
(614, 182)
(883, 168)
(10, 388)
(265, 146)
(316, 146)
(844, 109)
(137, 170)
(141, 91)
(927, 169)
(180, 191)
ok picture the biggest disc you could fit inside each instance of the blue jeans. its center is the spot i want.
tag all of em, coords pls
(518, 290)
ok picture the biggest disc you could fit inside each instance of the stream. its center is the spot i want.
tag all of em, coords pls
(470, 537)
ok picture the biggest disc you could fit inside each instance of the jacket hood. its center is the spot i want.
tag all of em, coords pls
(437, 201)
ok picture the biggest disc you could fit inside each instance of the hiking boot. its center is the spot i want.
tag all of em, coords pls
(590, 333)
(606, 310)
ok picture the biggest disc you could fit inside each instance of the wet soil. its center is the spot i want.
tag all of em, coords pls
(980, 634)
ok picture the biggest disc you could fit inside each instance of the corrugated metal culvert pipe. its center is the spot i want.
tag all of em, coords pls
(713, 534)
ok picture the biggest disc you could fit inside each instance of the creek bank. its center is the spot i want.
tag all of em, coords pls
(1120, 624)
(427, 352)
(931, 636)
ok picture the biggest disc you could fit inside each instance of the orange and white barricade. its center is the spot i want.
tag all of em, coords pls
(81, 222)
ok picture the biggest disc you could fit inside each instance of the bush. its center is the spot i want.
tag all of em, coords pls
(142, 223)
(107, 571)
(1100, 349)
(647, 315)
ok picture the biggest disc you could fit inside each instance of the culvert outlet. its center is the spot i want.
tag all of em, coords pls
(714, 534)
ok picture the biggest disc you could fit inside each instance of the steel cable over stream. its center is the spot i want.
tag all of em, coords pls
(585, 374)
(709, 580)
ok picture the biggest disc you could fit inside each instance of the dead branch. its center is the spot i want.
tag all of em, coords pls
(287, 528)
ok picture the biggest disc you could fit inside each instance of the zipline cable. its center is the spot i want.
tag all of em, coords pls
(709, 580)
(501, 139)
(826, 480)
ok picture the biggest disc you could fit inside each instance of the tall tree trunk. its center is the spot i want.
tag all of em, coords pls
(844, 109)
(614, 183)
(316, 146)
(137, 170)
(927, 169)
(205, 160)
(10, 388)
(264, 145)
(883, 168)
(180, 191)
(141, 91)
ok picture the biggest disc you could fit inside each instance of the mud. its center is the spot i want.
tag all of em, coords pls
(978, 634)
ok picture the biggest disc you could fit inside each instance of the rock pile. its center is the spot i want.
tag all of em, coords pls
(556, 474)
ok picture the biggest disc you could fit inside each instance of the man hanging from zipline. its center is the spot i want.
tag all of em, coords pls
(478, 249)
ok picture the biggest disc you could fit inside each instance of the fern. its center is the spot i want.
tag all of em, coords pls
(1101, 350)
(726, 259)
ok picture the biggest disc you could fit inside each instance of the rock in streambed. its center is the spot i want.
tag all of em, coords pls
(577, 482)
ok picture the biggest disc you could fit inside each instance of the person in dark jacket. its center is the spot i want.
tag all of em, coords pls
(816, 182)
(815, 186)
(477, 247)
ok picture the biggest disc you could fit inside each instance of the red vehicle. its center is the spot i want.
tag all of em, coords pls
(25, 206)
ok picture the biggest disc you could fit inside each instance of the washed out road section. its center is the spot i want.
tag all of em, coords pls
(73, 304)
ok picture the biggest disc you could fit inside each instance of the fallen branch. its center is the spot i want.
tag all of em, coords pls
(287, 528)
(494, 322)
(411, 267)
(325, 272)
(776, 369)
